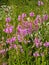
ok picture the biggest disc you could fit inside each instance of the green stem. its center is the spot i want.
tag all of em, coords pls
(36, 61)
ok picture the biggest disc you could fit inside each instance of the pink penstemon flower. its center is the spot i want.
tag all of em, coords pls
(20, 38)
(11, 40)
(24, 15)
(37, 42)
(8, 29)
(24, 29)
(45, 17)
(40, 3)
(3, 51)
(19, 18)
(8, 19)
(31, 14)
(36, 54)
(46, 44)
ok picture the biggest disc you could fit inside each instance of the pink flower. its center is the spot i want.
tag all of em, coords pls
(36, 26)
(36, 54)
(2, 51)
(21, 31)
(36, 22)
(28, 26)
(8, 19)
(14, 45)
(25, 28)
(20, 38)
(40, 3)
(46, 44)
(19, 18)
(8, 40)
(7, 24)
(11, 40)
(8, 29)
(23, 15)
(24, 32)
(31, 14)
(37, 42)
(45, 17)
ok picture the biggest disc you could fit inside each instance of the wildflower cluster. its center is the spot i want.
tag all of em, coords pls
(26, 41)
